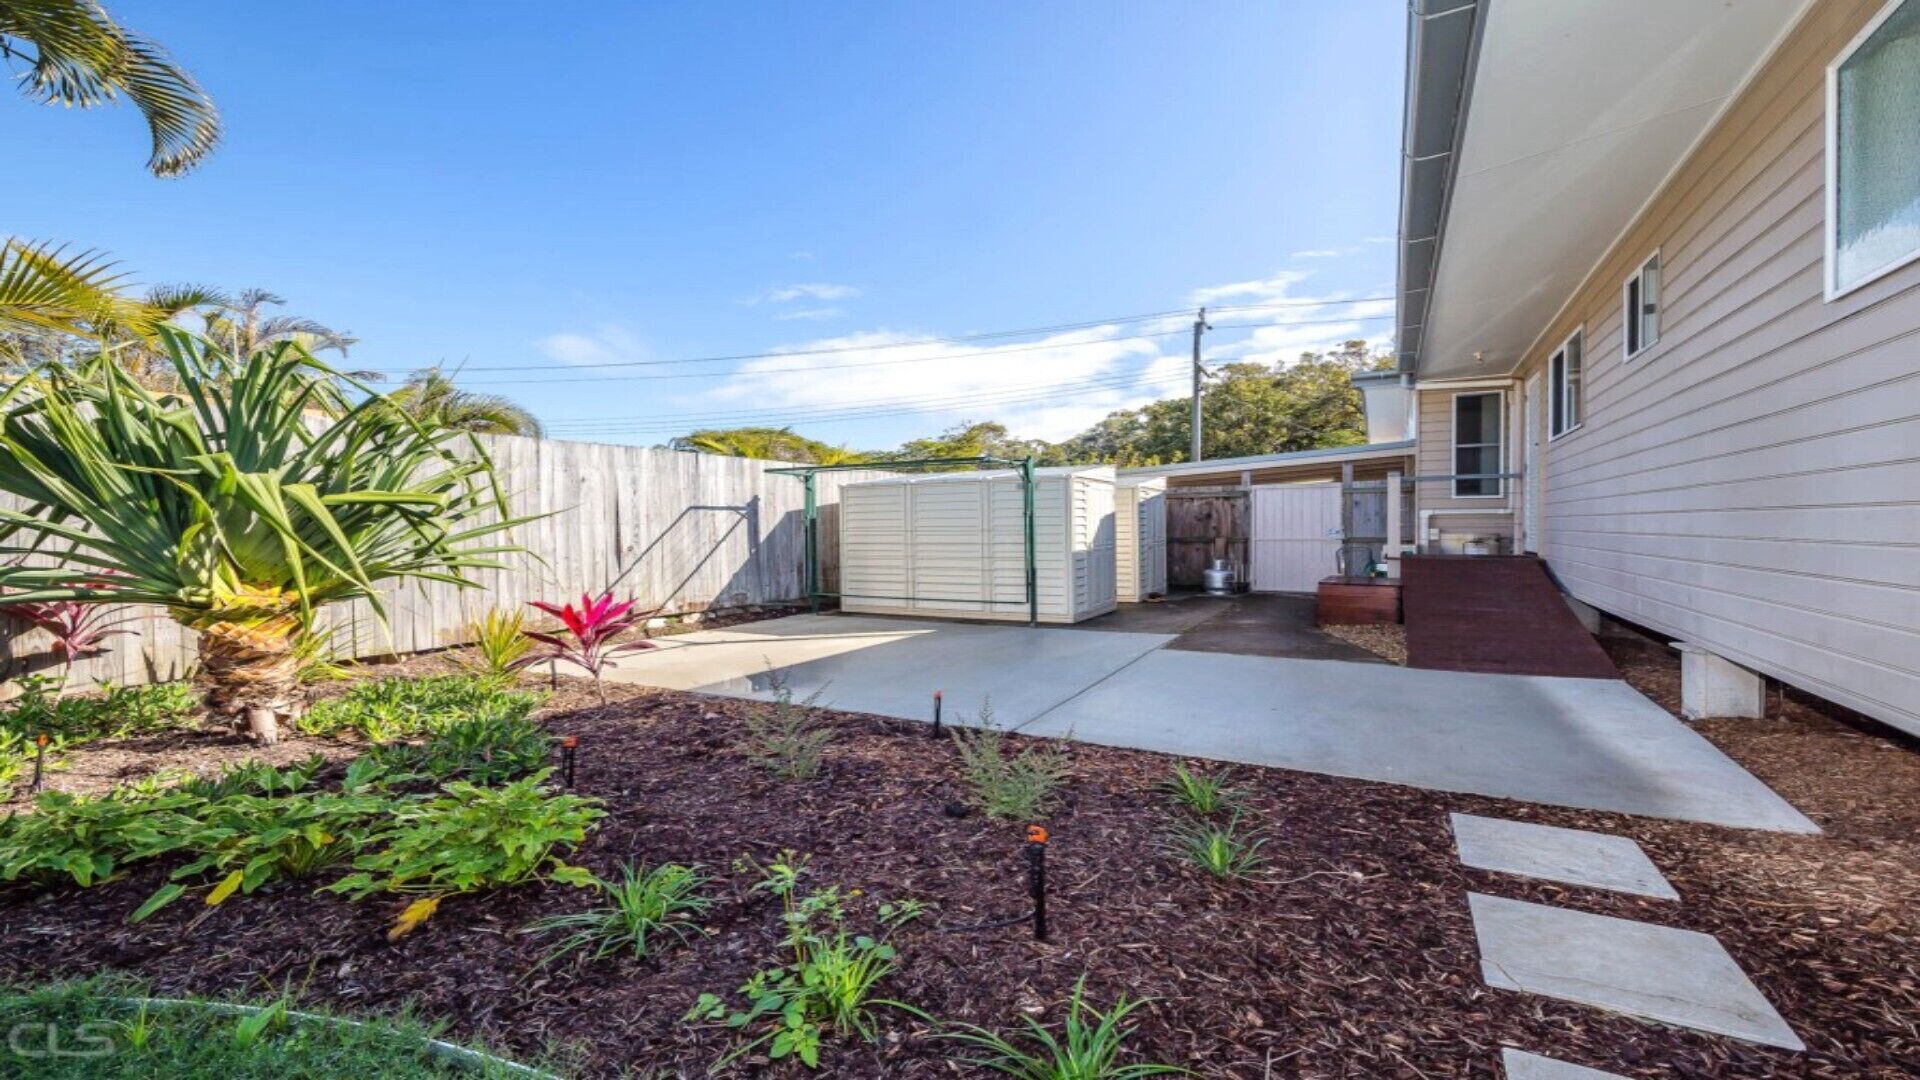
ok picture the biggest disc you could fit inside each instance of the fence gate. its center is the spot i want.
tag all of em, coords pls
(1296, 536)
(1205, 524)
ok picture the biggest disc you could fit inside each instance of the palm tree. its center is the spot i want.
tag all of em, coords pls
(53, 301)
(431, 393)
(242, 503)
(242, 327)
(768, 444)
(77, 56)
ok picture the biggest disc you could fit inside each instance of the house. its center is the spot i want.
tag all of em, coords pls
(1659, 309)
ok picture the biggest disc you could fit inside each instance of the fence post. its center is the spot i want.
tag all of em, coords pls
(1393, 525)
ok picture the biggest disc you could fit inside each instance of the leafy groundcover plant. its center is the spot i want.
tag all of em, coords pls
(89, 839)
(471, 838)
(388, 710)
(109, 1029)
(830, 987)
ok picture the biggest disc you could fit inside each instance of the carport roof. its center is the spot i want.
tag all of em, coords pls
(1233, 466)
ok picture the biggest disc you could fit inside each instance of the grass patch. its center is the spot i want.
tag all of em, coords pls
(88, 1030)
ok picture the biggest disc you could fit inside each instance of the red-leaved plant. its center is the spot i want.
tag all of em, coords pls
(78, 630)
(590, 629)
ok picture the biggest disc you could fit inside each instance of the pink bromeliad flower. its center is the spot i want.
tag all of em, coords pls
(590, 629)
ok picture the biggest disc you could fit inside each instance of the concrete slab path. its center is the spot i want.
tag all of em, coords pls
(1675, 976)
(1569, 856)
(889, 666)
(1586, 743)
(1521, 1065)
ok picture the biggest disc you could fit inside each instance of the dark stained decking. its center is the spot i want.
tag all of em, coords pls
(1501, 615)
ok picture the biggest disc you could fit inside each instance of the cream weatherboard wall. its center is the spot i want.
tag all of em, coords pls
(1140, 538)
(1752, 481)
(1451, 520)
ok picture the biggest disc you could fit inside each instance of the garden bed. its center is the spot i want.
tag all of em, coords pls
(1352, 954)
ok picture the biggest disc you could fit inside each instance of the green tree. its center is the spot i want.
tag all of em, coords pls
(76, 55)
(972, 438)
(430, 394)
(767, 444)
(241, 502)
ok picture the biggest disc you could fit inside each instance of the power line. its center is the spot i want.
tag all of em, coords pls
(858, 410)
(957, 339)
(1035, 347)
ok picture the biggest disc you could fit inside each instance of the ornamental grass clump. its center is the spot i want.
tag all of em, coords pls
(1220, 849)
(1090, 1045)
(1202, 792)
(642, 908)
(242, 500)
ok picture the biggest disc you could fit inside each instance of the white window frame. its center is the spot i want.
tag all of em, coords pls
(1557, 389)
(1834, 289)
(1629, 318)
(1453, 442)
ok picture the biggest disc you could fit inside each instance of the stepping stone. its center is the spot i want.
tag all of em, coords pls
(1571, 856)
(1521, 1065)
(1658, 972)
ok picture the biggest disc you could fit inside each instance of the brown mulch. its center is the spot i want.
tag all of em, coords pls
(1388, 641)
(1353, 957)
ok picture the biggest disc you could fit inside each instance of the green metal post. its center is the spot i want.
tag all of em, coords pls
(813, 545)
(1033, 577)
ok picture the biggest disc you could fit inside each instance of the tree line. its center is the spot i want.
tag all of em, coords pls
(1247, 408)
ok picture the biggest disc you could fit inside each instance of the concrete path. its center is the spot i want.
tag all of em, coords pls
(1521, 1065)
(1587, 743)
(1676, 976)
(889, 666)
(1569, 856)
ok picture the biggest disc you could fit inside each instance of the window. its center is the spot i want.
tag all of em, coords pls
(1477, 451)
(1873, 150)
(1640, 308)
(1563, 387)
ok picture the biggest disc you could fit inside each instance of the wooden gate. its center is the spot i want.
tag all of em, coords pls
(1296, 535)
(1204, 524)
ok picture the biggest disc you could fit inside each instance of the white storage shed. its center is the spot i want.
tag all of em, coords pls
(1140, 537)
(953, 545)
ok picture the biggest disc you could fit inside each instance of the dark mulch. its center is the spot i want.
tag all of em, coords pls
(1354, 958)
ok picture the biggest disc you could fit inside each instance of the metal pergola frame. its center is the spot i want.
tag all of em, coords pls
(806, 473)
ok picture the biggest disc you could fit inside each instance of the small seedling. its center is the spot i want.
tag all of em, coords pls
(1201, 792)
(785, 736)
(1220, 850)
(1088, 1047)
(1009, 785)
(641, 907)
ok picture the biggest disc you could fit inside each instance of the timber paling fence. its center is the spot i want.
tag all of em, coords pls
(680, 532)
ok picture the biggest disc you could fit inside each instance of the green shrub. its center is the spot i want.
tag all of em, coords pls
(90, 839)
(116, 712)
(786, 736)
(255, 778)
(1201, 792)
(641, 907)
(474, 837)
(490, 748)
(830, 987)
(211, 1039)
(1220, 850)
(392, 709)
(1089, 1046)
(250, 840)
(1008, 785)
(500, 646)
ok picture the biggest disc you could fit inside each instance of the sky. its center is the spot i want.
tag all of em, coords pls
(566, 203)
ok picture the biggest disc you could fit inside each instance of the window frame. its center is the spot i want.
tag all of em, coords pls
(1831, 227)
(1453, 443)
(1632, 322)
(1557, 395)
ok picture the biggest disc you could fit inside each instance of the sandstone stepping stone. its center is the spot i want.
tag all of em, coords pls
(1571, 856)
(1658, 972)
(1521, 1065)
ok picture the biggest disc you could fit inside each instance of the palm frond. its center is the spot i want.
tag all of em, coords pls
(82, 58)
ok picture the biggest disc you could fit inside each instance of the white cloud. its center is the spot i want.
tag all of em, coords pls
(1319, 253)
(801, 256)
(1378, 239)
(604, 344)
(815, 290)
(811, 313)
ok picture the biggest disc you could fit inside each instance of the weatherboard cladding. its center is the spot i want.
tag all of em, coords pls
(1751, 483)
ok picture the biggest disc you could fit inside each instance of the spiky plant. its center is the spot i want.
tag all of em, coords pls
(241, 503)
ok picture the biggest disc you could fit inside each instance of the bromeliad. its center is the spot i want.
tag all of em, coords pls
(242, 502)
(591, 629)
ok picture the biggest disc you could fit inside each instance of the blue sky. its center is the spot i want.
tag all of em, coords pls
(625, 183)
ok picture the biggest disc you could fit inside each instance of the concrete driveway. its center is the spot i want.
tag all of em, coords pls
(1589, 743)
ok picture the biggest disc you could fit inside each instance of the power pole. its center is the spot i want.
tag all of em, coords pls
(1200, 326)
